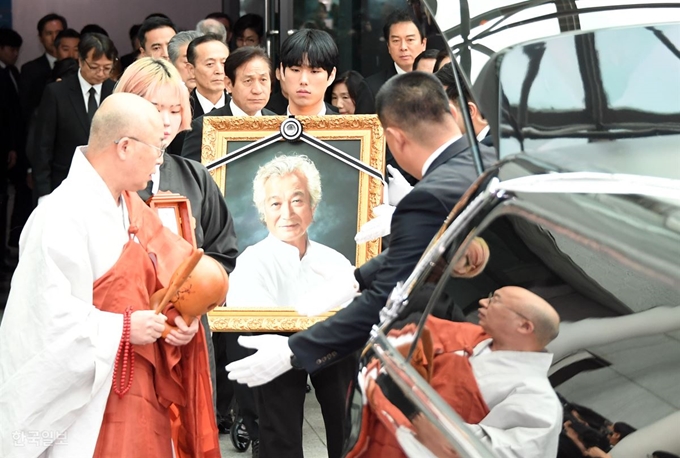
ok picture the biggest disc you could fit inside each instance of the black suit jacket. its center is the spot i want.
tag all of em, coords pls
(34, 77)
(12, 131)
(376, 80)
(415, 222)
(62, 124)
(191, 149)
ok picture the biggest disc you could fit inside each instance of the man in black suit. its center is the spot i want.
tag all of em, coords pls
(206, 56)
(36, 73)
(426, 141)
(308, 64)
(154, 35)
(479, 123)
(405, 41)
(249, 81)
(66, 109)
(13, 163)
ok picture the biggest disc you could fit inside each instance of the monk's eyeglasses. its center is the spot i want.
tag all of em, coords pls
(491, 297)
(160, 149)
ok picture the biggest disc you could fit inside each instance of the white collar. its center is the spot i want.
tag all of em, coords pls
(320, 113)
(438, 153)
(236, 111)
(50, 59)
(207, 105)
(85, 87)
(400, 71)
(2, 64)
(286, 248)
(88, 177)
(483, 133)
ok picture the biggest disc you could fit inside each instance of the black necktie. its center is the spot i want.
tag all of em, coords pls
(91, 104)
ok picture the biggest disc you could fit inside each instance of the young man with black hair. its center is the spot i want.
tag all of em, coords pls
(309, 59)
(154, 35)
(66, 110)
(36, 73)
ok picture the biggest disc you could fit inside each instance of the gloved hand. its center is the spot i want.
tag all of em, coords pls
(398, 186)
(338, 288)
(379, 226)
(271, 360)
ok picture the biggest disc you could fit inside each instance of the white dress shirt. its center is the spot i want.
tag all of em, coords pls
(482, 134)
(525, 415)
(207, 105)
(438, 153)
(236, 111)
(400, 71)
(271, 273)
(51, 60)
(85, 89)
(322, 112)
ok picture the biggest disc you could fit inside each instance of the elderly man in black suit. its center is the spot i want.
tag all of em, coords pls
(426, 141)
(249, 81)
(206, 56)
(36, 74)
(66, 110)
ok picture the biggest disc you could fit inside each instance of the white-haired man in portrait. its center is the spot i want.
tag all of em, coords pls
(279, 271)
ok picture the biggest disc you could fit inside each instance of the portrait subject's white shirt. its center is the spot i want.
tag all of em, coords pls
(271, 273)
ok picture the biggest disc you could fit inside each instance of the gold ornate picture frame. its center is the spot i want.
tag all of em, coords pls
(341, 212)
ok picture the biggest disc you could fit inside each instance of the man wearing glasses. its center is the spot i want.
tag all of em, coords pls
(66, 110)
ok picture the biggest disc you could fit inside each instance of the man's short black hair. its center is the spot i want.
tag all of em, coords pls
(408, 100)
(66, 33)
(623, 429)
(443, 54)
(49, 18)
(220, 15)
(310, 46)
(93, 28)
(191, 49)
(153, 23)
(397, 17)
(134, 31)
(249, 21)
(427, 54)
(11, 38)
(448, 80)
(156, 15)
(102, 45)
(242, 56)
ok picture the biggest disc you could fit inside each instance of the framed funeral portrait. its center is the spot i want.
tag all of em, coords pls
(347, 151)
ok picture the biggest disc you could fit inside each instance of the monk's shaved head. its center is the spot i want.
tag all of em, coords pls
(119, 115)
(544, 317)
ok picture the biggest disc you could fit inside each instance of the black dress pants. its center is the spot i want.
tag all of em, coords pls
(280, 405)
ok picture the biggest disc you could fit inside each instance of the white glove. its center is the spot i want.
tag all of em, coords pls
(338, 289)
(271, 360)
(378, 227)
(398, 186)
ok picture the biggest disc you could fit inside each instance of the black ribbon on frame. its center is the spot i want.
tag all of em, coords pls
(291, 130)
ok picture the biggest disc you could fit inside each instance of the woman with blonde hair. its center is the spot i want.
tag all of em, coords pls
(159, 82)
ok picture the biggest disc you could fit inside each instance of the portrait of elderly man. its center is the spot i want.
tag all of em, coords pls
(279, 271)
